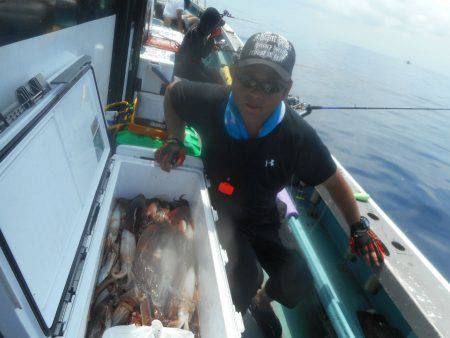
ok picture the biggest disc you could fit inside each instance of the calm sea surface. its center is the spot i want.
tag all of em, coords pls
(402, 158)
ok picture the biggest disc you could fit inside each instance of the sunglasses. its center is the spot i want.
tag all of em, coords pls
(267, 87)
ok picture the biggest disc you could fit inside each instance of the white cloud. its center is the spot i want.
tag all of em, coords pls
(413, 16)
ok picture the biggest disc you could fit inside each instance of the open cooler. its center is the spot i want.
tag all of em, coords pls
(58, 184)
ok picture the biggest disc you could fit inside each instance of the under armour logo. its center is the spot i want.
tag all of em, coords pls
(270, 163)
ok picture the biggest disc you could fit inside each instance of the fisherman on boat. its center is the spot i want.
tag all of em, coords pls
(253, 143)
(175, 16)
(197, 44)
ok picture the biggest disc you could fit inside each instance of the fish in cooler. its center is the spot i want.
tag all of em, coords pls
(164, 266)
(148, 269)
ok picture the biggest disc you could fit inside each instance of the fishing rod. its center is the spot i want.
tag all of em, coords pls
(229, 15)
(308, 109)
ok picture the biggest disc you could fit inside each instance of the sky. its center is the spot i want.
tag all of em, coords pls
(415, 30)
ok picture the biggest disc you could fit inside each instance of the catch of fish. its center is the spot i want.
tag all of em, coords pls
(148, 268)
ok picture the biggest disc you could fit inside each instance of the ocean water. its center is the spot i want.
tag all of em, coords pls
(401, 158)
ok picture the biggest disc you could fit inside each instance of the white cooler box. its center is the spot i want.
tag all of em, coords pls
(58, 181)
(155, 69)
(166, 33)
(150, 106)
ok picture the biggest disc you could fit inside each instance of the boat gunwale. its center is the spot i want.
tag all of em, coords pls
(410, 279)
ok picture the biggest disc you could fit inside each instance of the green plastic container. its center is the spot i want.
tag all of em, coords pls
(191, 142)
(362, 197)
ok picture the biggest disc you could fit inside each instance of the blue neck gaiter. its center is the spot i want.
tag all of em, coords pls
(235, 126)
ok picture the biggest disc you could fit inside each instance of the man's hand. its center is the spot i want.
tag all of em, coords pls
(219, 45)
(180, 20)
(171, 154)
(364, 242)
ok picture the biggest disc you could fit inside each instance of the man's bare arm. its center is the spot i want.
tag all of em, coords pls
(342, 195)
(172, 153)
(180, 20)
(175, 125)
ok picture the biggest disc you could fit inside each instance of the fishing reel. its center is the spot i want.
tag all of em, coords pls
(295, 103)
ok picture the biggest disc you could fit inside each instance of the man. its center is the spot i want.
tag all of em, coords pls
(253, 143)
(197, 44)
(174, 15)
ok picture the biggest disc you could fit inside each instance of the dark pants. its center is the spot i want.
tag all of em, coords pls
(251, 247)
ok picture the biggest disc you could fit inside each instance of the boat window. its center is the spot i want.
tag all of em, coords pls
(20, 20)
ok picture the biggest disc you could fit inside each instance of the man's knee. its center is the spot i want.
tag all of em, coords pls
(244, 283)
(167, 21)
(193, 20)
(294, 283)
(245, 275)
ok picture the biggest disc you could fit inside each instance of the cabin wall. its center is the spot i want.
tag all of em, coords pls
(49, 53)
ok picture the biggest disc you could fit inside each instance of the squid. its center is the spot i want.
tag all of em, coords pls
(112, 247)
(102, 320)
(127, 254)
(157, 211)
(134, 215)
(181, 219)
(155, 266)
(110, 291)
(110, 260)
(115, 223)
(186, 303)
(126, 306)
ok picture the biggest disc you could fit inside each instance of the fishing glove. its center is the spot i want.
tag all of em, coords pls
(171, 154)
(364, 241)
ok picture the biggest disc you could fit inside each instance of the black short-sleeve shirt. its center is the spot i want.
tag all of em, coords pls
(194, 47)
(257, 168)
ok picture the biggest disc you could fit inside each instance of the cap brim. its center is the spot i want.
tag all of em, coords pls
(277, 68)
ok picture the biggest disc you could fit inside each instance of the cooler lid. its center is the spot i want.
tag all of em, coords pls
(49, 176)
